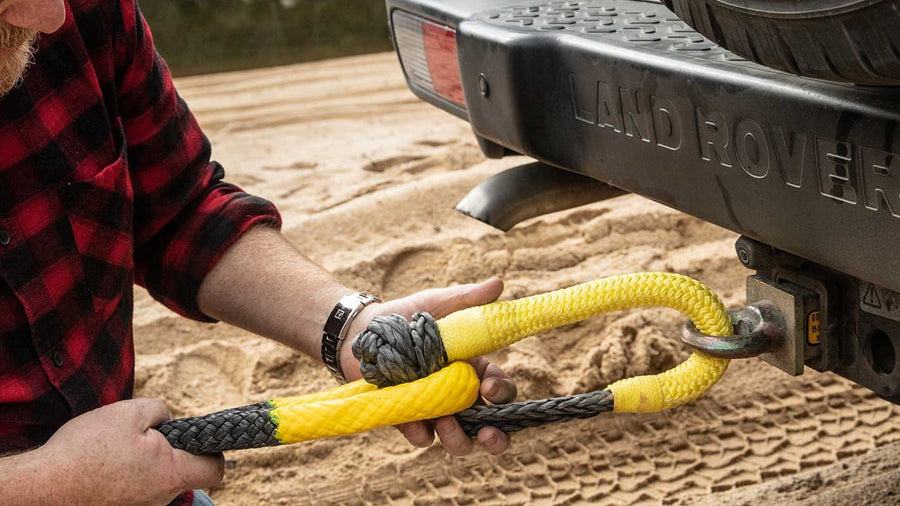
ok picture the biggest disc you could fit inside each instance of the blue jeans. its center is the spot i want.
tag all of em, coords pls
(201, 499)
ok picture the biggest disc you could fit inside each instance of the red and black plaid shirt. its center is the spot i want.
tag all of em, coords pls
(105, 179)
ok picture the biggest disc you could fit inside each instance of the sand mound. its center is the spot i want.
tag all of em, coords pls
(366, 177)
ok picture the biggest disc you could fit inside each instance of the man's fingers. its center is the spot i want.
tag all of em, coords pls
(496, 386)
(493, 440)
(419, 434)
(152, 411)
(199, 471)
(481, 293)
(457, 298)
(453, 439)
(480, 364)
(499, 390)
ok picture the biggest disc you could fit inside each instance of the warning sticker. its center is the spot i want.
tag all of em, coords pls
(813, 328)
(881, 301)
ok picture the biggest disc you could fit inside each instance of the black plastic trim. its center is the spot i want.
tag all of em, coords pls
(677, 104)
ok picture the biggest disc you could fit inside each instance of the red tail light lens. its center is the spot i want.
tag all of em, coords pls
(428, 54)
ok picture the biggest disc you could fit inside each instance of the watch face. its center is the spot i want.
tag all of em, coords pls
(336, 327)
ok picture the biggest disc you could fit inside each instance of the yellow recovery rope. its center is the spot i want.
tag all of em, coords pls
(360, 406)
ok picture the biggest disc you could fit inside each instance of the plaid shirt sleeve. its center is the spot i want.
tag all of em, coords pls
(185, 215)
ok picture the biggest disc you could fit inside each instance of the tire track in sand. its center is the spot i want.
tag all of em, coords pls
(716, 446)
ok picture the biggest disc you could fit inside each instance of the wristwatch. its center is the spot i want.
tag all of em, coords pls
(336, 328)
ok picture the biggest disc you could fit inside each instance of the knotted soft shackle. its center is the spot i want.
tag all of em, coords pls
(394, 354)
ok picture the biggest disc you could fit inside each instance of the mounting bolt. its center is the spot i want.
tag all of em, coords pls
(754, 254)
(483, 85)
(744, 257)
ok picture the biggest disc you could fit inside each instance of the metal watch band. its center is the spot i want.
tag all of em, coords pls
(336, 327)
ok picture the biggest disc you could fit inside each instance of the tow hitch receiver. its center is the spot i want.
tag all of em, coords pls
(799, 309)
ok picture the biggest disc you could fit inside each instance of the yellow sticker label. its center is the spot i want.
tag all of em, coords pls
(812, 328)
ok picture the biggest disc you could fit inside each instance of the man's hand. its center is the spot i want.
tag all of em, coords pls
(287, 298)
(112, 455)
(496, 386)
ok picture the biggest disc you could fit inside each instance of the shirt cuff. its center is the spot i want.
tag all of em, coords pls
(194, 243)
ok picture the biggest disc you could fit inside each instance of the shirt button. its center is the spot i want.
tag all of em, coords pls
(58, 360)
(4, 238)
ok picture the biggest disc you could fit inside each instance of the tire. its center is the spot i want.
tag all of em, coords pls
(855, 41)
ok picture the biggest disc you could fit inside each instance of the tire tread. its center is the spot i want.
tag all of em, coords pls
(850, 45)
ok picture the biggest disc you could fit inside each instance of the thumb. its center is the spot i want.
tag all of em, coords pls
(199, 471)
(151, 412)
(457, 298)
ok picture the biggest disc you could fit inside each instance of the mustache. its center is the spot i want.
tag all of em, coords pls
(12, 37)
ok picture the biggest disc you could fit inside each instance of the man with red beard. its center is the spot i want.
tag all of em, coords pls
(106, 180)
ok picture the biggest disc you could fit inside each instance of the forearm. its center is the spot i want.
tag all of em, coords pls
(26, 480)
(264, 285)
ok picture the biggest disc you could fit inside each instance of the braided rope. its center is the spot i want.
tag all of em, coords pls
(523, 415)
(231, 429)
(394, 353)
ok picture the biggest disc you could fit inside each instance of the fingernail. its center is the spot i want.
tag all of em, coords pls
(443, 426)
(493, 389)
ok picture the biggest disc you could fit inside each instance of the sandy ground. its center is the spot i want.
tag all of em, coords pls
(366, 177)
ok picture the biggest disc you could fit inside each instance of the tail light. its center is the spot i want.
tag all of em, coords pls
(428, 54)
